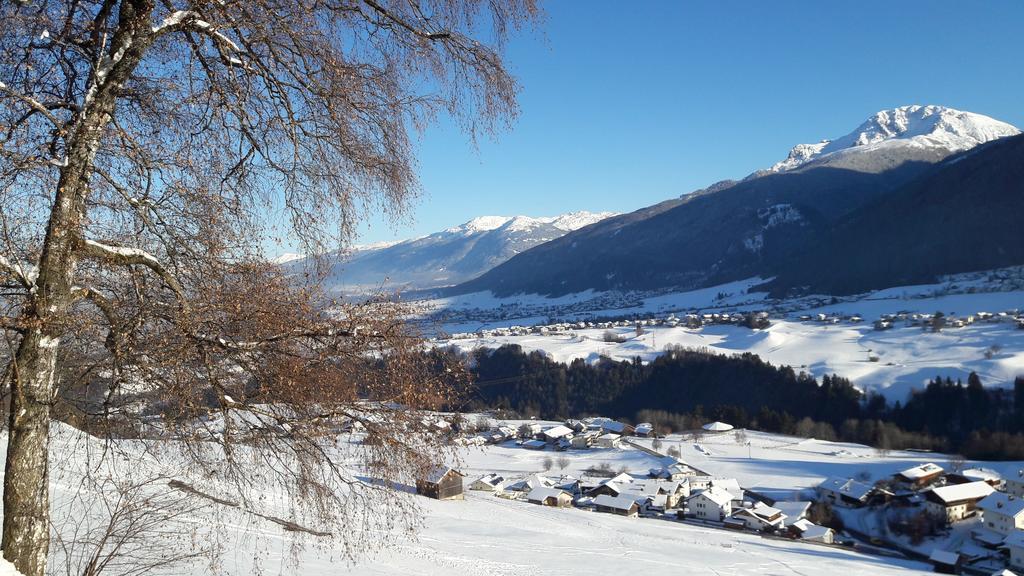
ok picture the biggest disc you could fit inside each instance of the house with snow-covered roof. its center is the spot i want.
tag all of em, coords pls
(490, 483)
(919, 476)
(621, 505)
(1014, 543)
(549, 497)
(794, 510)
(710, 504)
(761, 517)
(530, 482)
(806, 530)
(845, 492)
(955, 502)
(1003, 513)
(554, 433)
(441, 483)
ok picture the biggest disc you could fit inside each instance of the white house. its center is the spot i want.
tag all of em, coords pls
(1002, 512)
(732, 486)
(1015, 486)
(794, 510)
(608, 440)
(1015, 544)
(957, 501)
(490, 483)
(711, 504)
(530, 482)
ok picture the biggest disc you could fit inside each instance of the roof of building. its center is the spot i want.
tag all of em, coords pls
(794, 510)
(1002, 503)
(922, 471)
(541, 493)
(848, 487)
(556, 432)
(944, 557)
(438, 473)
(534, 443)
(1015, 539)
(530, 482)
(730, 485)
(960, 492)
(716, 495)
(617, 502)
(491, 479)
(765, 511)
(717, 426)
(610, 436)
(814, 531)
(613, 426)
(644, 428)
(981, 474)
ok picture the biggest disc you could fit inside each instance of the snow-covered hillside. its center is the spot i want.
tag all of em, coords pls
(486, 535)
(447, 257)
(923, 127)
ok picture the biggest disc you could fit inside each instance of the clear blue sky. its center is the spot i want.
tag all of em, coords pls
(625, 104)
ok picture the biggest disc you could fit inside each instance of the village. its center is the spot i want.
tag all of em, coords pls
(959, 518)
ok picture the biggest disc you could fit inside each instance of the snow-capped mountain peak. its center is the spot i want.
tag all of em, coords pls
(924, 127)
(565, 222)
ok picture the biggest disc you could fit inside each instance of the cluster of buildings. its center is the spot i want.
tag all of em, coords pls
(941, 321)
(987, 510)
(692, 320)
(582, 434)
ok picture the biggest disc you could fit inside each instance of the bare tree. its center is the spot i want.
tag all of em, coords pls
(142, 143)
(547, 463)
(563, 462)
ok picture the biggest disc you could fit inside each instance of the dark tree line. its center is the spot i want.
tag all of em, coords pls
(684, 388)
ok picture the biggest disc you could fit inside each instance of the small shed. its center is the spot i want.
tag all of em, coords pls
(442, 483)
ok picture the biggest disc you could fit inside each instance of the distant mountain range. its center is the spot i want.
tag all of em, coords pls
(913, 192)
(443, 258)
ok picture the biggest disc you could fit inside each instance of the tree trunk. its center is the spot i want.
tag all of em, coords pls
(26, 527)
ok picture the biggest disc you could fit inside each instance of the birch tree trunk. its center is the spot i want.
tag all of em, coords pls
(26, 530)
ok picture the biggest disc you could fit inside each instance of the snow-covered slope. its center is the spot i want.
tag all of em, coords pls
(905, 130)
(448, 257)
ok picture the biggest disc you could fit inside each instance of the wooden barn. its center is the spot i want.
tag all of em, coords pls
(442, 483)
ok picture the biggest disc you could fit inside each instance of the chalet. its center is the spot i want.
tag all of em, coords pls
(946, 562)
(919, 476)
(621, 505)
(845, 492)
(644, 429)
(806, 530)
(583, 441)
(957, 501)
(609, 440)
(489, 483)
(441, 483)
(1003, 513)
(761, 517)
(1015, 544)
(549, 497)
(711, 504)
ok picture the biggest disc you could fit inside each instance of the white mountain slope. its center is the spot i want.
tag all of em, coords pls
(925, 133)
(447, 257)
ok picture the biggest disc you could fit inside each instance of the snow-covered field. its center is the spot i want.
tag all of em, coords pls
(486, 535)
(907, 357)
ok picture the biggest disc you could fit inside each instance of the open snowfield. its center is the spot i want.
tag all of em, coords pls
(486, 535)
(907, 357)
